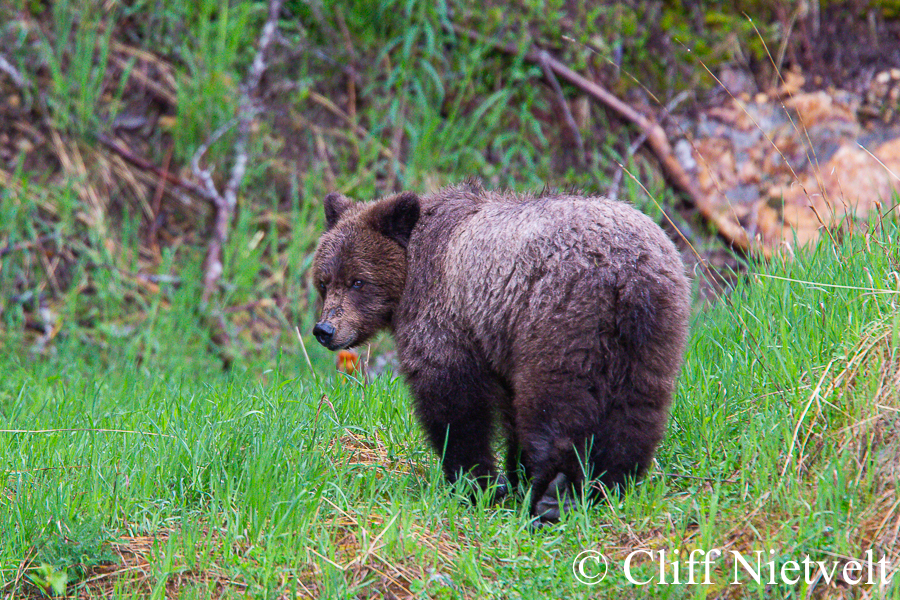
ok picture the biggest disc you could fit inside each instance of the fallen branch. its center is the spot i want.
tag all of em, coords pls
(570, 120)
(224, 202)
(656, 137)
(146, 165)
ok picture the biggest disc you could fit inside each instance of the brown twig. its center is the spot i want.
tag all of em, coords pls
(146, 165)
(656, 136)
(12, 72)
(225, 202)
(352, 71)
(567, 114)
(157, 200)
(23, 567)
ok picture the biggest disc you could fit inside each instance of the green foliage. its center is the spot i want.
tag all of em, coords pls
(76, 54)
(67, 551)
(382, 95)
(453, 114)
(50, 580)
(218, 42)
(889, 8)
(120, 424)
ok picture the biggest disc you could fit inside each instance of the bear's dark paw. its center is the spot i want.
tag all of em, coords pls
(499, 490)
(548, 509)
(494, 487)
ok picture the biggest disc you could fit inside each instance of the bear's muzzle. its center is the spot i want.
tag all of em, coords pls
(324, 332)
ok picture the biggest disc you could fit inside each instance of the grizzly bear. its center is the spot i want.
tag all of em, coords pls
(564, 317)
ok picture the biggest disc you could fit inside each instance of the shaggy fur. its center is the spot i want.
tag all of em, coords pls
(563, 317)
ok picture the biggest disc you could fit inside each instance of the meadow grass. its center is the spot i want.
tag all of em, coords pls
(135, 479)
(133, 467)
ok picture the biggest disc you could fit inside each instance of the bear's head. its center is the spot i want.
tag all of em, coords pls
(359, 269)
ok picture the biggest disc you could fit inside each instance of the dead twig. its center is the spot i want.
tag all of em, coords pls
(23, 567)
(157, 201)
(225, 202)
(146, 165)
(656, 136)
(570, 120)
(352, 70)
(12, 72)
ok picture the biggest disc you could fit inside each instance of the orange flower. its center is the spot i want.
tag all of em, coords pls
(347, 361)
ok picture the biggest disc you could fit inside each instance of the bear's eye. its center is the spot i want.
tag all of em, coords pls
(357, 283)
(322, 288)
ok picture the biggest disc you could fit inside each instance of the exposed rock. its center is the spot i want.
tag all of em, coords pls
(786, 165)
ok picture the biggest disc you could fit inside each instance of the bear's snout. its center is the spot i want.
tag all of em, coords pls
(324, 332)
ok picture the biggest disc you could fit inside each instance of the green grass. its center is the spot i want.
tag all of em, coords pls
(264, 480)
(137, 466)
(77, 54)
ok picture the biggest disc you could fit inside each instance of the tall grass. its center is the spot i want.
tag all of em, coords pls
(77, 55)
(267, 481)
(123, 440)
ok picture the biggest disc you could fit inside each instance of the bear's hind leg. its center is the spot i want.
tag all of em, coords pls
(516, 470)
(554, 429)
(638, 425)
(456, 410)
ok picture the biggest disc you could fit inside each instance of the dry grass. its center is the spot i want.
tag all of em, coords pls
(876, 439)
(135, 571)
(359, 542)
(867, 423)
(353, 449)
(359, 553)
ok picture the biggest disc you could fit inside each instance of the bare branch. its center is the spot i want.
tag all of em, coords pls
(655, 135)
(146, 165)
(240, 163)
(225, 201)
(205, 175)
(13, 73)
(265, 40)
(570, 120)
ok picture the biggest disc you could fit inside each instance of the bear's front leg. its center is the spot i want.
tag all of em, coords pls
(455, 408)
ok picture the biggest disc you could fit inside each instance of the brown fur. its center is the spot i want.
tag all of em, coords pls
(563, 316)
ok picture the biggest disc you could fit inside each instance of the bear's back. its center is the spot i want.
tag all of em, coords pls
(507, 269)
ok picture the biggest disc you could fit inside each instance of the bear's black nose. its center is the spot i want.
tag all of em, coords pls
(324, 332)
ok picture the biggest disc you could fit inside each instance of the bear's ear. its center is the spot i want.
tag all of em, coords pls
(397, 217)
(335, 205)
